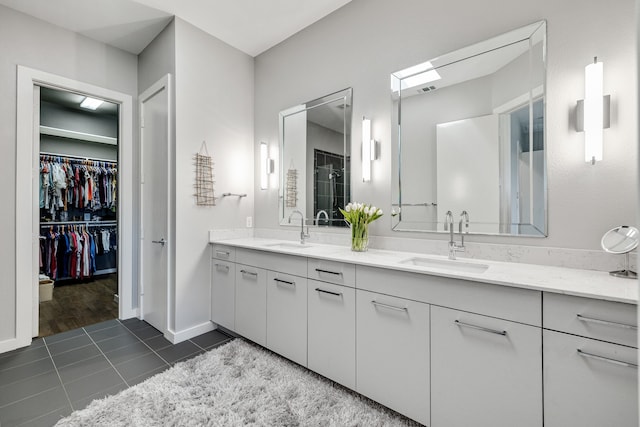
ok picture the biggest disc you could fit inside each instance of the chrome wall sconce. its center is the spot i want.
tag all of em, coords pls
(369, 153)
(266, 166)
(593, 114)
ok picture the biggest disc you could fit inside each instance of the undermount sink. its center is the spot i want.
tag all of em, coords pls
(288, 245)
(446, 264)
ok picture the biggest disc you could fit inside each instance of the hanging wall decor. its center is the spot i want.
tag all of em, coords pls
(291, 195)
(204, 177)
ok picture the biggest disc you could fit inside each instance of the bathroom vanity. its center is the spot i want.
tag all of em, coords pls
(446, 343)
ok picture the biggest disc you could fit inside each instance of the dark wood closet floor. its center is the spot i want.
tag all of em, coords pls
(79, 304)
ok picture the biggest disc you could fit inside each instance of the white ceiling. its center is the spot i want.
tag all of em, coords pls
(251, 26)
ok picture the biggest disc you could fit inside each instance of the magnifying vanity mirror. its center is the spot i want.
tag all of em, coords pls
(621, 240)
(468, 133)
(315, 172)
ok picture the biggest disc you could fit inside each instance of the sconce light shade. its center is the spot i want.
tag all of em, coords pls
(593, 112)
(366, 149)
(266, 166)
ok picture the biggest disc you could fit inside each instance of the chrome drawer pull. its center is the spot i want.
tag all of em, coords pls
(284, 282)
(338, 294)
(336, 273)
(250, 273)
(480, 328)
(390, 307)
(223, 253)
(222, 265)
(606, 359)
(605, 322)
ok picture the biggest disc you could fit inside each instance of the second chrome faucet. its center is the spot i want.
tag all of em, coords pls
(448, 226)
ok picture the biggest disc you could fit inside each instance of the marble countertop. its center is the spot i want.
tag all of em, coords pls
(584, 283)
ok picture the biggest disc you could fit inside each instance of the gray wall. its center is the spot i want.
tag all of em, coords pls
(360, 44)
(36, 44)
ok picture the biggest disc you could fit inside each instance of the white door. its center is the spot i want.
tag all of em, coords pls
(154, 194)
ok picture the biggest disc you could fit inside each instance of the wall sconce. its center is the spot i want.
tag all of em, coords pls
(266, 166)
(593, 113)
(368, 150)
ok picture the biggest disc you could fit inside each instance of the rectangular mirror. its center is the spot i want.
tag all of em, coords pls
(469, 136)
(315, 172)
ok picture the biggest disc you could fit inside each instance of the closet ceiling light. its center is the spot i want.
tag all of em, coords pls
(91, 103)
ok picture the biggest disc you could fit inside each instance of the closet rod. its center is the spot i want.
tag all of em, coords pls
(43, 153)
(87, 223)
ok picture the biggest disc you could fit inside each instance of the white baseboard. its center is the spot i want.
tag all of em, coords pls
(194, 331)
(12, 344)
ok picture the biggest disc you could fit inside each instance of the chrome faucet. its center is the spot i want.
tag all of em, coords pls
(321, 212)
(448, 226)
(303, 235)
(464, 217)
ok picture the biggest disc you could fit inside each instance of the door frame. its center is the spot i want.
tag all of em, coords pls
(164, 83)
(27, 158)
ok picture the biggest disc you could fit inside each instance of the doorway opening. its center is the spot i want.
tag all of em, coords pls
(78, 211)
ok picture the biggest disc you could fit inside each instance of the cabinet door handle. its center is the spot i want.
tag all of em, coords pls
(606, 359)
(480, 328)
(390, 307)
(338, 294)
(605, 322)
(284, 282)
(250, 273)
(335, 273)
(223, 253)
(226, 267)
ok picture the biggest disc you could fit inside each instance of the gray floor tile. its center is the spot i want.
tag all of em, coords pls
(83, 368)
(146, 376)
(102, 325)
(117, 342)
(33, 407)
(141, 365)
(146, 333)
(16, 391)
(70, 344)
(158, 343)
(123, 354)
(83, 403)
(37, 342)
(23, 372)
(22, 356)
(51, 418)
(76, 355)
(178, 351)
(210, 339)
(92, 384)
(191, 356)
(105, 334)
(64, 336)
(134, 324)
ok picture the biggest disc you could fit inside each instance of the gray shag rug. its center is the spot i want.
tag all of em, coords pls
(237, 384)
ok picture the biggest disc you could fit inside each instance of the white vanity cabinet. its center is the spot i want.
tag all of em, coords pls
(251, 303)
(590, 362)
(287, 316)
(223, 287)
(332, 331)
(485, 372)
(392, 348)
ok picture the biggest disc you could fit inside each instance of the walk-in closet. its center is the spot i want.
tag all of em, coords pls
(77, 199)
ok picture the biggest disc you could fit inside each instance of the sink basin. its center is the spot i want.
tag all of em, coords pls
(288, 245)
(446, 264)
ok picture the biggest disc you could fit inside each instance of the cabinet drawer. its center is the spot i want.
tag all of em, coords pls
(519, 305)
(603, 320)
(289, 264)
(332, 332)
(589, 388)
(223, 252)
(223, 289)
(331, 271)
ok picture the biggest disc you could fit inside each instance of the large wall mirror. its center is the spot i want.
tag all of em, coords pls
(315, 172)
(468, 135)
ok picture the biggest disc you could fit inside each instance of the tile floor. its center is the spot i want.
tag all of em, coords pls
(55, 375)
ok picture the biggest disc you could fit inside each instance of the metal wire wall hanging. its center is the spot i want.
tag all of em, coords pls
(204, 177)
(291, 190)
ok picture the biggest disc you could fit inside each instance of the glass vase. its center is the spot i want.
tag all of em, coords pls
(359, 237)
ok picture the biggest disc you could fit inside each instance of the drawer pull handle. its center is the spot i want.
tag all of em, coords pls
(480, 328)
(226, 267)
(284, 282)
(605, 322)
(390, 307)
(223, 253)
(250, 273)
(606, 359)
(338, 294)
(335, 273)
